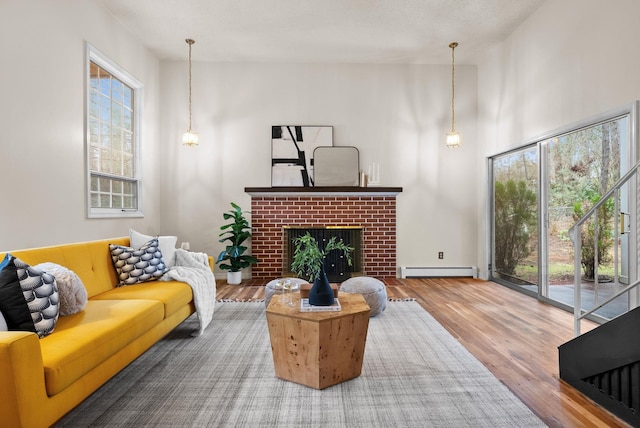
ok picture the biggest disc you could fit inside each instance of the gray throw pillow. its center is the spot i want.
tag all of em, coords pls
(73, 294)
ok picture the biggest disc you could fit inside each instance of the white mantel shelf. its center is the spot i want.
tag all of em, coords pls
(323, 191)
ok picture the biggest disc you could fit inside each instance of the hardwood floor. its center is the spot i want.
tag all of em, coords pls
(515, 336)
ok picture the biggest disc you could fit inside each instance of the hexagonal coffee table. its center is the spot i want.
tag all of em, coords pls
(318, 349)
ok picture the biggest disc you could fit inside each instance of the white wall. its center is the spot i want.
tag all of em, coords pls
(41, 115)
(571, 60)
(396, 115)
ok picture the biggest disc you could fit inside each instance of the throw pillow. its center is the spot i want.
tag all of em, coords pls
(167, 245)
(138, 265)
(73, 294)
(29, 297)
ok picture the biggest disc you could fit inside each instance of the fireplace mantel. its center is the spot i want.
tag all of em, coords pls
(323, 191)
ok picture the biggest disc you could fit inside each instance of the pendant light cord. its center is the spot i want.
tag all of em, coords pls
(453, 85)
(190, 42)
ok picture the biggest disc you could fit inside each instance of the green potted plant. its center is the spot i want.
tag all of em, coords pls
(308, 261)
(233, 257)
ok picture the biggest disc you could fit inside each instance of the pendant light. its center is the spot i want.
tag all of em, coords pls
(190, 138)
(453, 138)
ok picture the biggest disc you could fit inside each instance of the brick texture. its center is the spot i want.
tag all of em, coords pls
(375, 214)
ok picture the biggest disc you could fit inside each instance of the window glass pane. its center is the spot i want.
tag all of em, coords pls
(105, 83)
(93, 76)
(116, 90)
(128, 97)
(516, 218)
(127, 166)
(116, 114)
(105, 109)
(116, 201)
(116, 163)
(116, 139)
(128, 202)
(128, 143)
(105, 136)
(93, 131)
(93, 104)
(105, 185)
(94, 159)
(583, 166)
(126, 122)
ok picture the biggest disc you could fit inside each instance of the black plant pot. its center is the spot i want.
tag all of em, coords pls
(321, 293)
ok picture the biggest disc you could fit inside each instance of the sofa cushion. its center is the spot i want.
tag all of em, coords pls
(73, 294)
(138, 265)
(84, 340)
(28, 297)
(173, 294)
(167, 245)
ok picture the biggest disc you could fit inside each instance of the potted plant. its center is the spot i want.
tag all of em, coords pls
(308, 261)
(234, 255)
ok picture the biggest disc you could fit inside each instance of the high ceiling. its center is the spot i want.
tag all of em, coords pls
(322, 31)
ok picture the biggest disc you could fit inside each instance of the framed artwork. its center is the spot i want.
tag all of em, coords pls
(292, 148)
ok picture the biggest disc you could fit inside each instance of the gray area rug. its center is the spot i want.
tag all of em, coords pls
(415, 374)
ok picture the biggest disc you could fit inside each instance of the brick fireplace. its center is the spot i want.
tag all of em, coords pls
(373, 209)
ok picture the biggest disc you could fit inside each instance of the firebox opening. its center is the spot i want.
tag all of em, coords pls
(336, 266)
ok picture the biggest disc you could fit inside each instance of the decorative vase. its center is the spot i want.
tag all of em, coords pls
(234, 278)
(321, 293)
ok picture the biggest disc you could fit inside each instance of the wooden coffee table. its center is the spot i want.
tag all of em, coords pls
(318, 349)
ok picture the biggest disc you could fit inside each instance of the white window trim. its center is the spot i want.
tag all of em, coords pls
(93, 54)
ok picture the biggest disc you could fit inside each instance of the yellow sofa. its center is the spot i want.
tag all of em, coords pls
(42, 379)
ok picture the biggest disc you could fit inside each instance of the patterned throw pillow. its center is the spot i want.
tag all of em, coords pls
(138, 265)
(29, 298)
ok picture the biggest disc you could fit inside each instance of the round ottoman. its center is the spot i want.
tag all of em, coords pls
(274, 287)
(373, 290)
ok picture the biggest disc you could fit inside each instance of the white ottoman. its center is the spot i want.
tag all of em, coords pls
(272, 288)
(373, 290)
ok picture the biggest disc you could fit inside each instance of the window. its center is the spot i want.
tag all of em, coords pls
(112, 139)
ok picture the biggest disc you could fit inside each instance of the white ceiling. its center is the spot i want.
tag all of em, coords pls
(322, 31)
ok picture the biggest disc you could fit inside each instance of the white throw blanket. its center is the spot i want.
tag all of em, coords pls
(193, 268)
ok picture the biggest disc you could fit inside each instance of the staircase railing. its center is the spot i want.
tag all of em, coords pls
(575, 234)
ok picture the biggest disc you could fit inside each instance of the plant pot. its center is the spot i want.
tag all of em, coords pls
(321, 293)
(234, 277)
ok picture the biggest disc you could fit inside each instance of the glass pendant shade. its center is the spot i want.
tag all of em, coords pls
(453, 139)
(190, 138)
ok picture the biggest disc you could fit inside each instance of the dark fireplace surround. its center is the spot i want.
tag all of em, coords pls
(336, 265)
(274, 210)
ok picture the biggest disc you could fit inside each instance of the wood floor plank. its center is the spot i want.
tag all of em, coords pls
(515, 336)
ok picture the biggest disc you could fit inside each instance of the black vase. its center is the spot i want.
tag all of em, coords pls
(321, 293)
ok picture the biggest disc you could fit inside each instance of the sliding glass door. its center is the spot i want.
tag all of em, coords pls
(539, 191)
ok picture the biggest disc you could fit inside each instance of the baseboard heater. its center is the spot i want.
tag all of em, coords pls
(426, 272)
